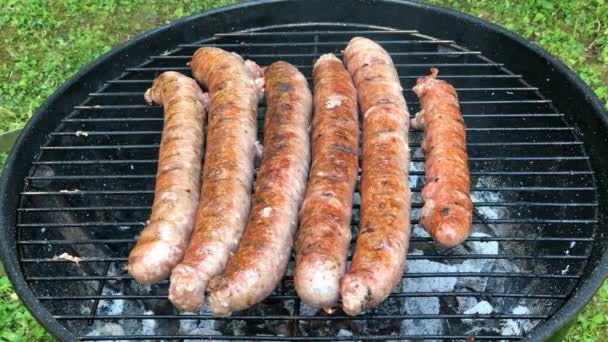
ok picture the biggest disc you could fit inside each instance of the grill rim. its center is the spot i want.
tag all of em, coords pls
(30, 140)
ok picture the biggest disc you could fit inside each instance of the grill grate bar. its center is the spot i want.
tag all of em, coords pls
(472, 115)
(412, 173)
(287, 55)
(144, 192)
(480, 115)
(438, 65)
(155, 132)
(149, 81)
(308, 318)
(313, 33)
(409, 256)
(119, 81)
(117, 93)
(414, 205)
(313, 44)
(146, 106)
(98, 107)
(173, 68)
(405, 276)
(155, 146)
(292, 297)
(416, 159)
(92, 177)
(412, 239)
(485, 221)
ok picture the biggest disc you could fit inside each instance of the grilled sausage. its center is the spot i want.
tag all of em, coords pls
(261, 259)
(324, 233)
(379, 257)
(227, 173)
(163, 241)
(447, 212)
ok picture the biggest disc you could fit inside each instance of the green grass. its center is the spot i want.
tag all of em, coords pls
(45, 42)
(16, 323)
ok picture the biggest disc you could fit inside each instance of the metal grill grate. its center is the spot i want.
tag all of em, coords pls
(91, 187)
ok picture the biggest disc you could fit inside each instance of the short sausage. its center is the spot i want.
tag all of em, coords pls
(447, 212)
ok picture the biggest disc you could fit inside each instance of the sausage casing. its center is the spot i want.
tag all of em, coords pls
(379, 258)
(324, 233)
(447, 212)
(263, 254)
(163, 241)
(227, 173)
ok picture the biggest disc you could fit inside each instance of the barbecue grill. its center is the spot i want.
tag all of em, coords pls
(80, 180)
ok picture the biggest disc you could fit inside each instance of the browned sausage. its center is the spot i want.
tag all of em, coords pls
(324, 234)
(178, 180)
(261, 259)
(448, 211)
(227, 174)
(379, 257)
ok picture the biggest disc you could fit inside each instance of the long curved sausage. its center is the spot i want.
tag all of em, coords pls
(163, 241)
(447, 212)
(227, 173)
(379, 258)
(262, 256)
(324, 233)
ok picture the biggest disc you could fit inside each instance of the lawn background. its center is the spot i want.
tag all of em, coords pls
(44, 42)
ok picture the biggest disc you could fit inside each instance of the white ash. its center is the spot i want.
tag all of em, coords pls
(520, 310)
(187, 325)
(432, 284)
(114, 307)
(425, 305)
(111, 307)
(108, 329)
(424, 327)
(196, 326)
(344, 332)
(418, 231)
(205, 327)
(81, 134)
(148, 325)
(482, 247)
(466, 303)
(416, 180)
(306, 310)
(565, 270)
(516, 326)
(487, 212)
(481, 308)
